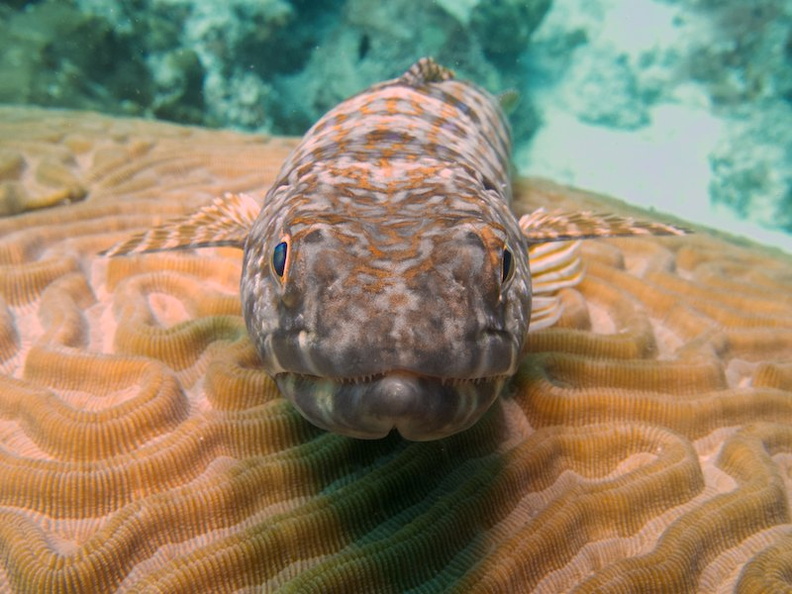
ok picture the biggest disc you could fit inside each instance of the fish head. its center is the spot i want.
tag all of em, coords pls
(407, 324)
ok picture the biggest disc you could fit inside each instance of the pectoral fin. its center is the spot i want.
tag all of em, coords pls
(541, 226)
(226, 221)
(554, 266)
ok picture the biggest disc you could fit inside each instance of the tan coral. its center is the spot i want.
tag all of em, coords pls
(643, 445)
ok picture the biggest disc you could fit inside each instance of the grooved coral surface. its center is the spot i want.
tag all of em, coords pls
(645, 444)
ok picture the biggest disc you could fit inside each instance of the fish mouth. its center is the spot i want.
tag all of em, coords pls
(421, 408)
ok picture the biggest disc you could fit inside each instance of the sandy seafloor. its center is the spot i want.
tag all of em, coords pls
(663, 167)
(663, 164)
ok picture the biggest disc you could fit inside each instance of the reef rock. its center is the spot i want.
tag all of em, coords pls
(617, 69)
(265, 65)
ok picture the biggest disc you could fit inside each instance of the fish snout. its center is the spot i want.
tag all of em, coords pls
(421, 408)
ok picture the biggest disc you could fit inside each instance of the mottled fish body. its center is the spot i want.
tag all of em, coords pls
(385, 280)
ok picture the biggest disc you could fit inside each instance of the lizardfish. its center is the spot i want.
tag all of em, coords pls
(386, 283)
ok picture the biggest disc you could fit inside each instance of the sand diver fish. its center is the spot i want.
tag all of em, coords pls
(385, 281)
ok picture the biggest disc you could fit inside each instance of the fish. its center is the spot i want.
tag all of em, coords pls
(386, 283)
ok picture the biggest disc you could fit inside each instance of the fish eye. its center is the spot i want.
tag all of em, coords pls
(279, 258)
(507, 265)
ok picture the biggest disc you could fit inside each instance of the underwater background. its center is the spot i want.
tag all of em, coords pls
(680, 105)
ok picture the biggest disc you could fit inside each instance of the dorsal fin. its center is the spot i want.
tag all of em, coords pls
(226, 221)
(541, 226)
(424, 71)
(508, 100)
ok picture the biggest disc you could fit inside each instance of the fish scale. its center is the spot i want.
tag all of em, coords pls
(386, 282)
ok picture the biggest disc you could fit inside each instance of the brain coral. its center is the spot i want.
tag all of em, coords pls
(646, 444)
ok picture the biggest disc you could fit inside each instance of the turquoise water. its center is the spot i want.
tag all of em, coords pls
(684, 106)
(679, 106)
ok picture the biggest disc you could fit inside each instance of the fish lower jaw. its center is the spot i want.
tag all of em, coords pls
(450, 381)
(420, 408)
